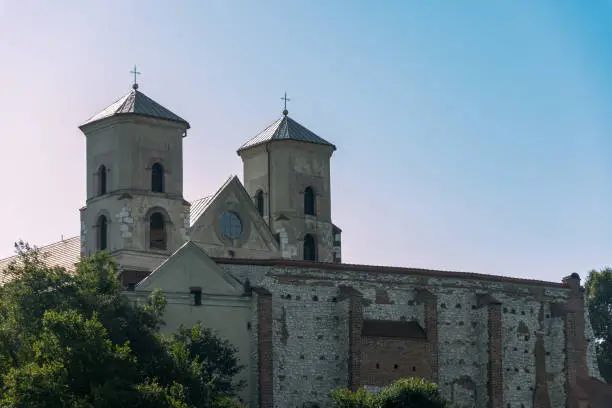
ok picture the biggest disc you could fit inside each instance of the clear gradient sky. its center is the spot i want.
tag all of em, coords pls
(472, 135)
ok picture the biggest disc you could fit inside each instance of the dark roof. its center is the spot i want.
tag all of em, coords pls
(137, 103)
(388, 328)
(285, 128)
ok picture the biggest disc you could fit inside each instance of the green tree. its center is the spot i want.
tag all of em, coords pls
(74, 340)
(403, 393)
(598, 291)
(411, 393)
(345, 398)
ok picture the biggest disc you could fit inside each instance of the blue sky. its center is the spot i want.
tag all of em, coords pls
(472, 135)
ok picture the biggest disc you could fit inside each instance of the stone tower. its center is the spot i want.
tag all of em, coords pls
(135, 207)
(287, 173)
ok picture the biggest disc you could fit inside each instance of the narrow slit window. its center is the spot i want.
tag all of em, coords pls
(309, 201)
(102, 233)
(259, 202)
(102, 180)
(157, 178)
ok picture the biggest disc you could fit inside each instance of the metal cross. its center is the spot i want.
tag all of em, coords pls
(135, 72)
(284, 98)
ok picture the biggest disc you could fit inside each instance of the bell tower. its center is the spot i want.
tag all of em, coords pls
(287, 173)
(134, 206)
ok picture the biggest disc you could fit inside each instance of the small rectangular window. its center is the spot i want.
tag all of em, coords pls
(197, 297)
(131, 287)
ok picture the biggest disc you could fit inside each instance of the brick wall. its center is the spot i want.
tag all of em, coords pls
(265, 352)
(384, 360)
(355, 325)
(507, 352)
(254, 374)
(575, 341)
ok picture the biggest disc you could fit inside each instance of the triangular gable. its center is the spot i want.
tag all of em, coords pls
(190, 267)
(232, 195)
(204, 204)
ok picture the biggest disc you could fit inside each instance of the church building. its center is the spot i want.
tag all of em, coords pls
(259, 261)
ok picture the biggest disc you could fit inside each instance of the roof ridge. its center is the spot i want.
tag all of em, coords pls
(107, 107)
(201, 198)
(276, 122)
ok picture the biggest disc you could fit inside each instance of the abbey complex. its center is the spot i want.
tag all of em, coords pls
(259, 261)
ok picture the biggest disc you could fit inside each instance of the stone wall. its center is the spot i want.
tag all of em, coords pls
(310, 343)
(265, 349)
(463, 343)
(490, 341)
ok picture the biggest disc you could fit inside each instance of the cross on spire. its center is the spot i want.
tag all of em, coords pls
(135, 72)
(285, 99)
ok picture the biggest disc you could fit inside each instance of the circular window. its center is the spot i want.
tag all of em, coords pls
(231, 226)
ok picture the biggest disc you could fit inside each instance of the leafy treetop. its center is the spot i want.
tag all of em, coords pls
(403, 393)
(598, 292)
(73, 340)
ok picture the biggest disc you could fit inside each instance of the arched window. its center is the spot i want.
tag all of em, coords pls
(310, 248)
(309, 201)
(157, 178)
(102, 180)
(102, 233)
(259, 202)
(157, 231)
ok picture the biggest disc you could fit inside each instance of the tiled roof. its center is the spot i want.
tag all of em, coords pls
(198, 207)
(137, 103)
(285, 128)
(65, 253)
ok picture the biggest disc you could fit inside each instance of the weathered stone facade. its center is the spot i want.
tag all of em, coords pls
(488, 341)
(264, 259)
